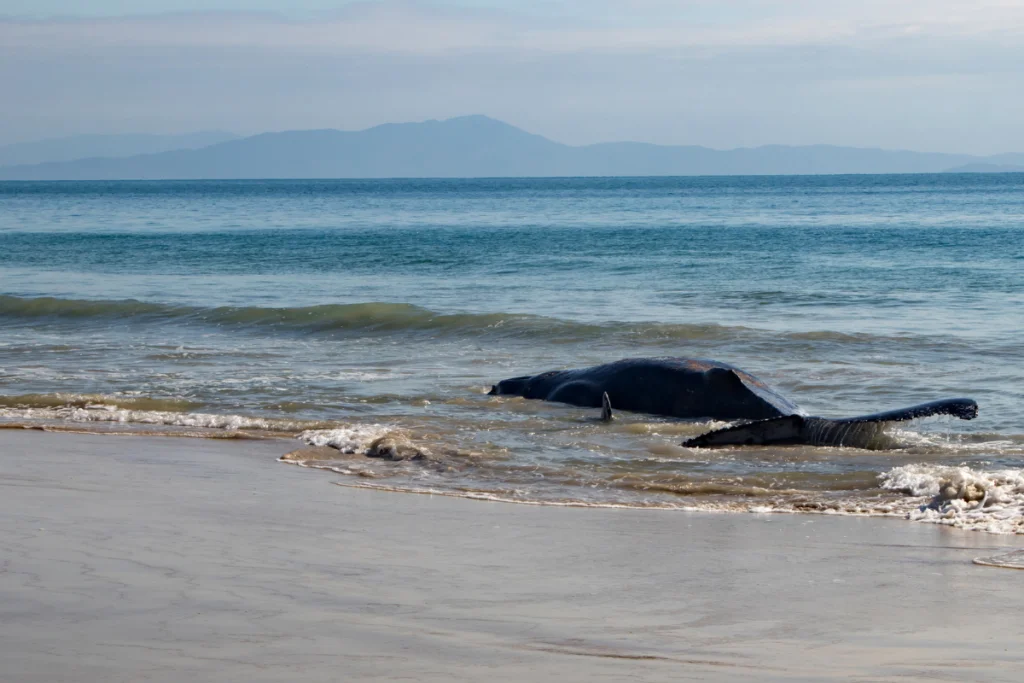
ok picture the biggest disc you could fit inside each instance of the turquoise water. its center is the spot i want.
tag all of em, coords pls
(361, 308)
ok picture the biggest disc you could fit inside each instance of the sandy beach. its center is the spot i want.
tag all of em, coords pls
(169, 559)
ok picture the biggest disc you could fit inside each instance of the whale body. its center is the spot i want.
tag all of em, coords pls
(698, 388)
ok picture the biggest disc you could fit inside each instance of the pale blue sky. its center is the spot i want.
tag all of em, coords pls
(939, 75)
(295, 8)
(306, 8)
(641, 11)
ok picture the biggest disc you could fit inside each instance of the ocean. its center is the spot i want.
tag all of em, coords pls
(343, 312)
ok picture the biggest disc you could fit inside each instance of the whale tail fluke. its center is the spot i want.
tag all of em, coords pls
(777, 430)
(865, 431)
(964, 408)
(606, 408)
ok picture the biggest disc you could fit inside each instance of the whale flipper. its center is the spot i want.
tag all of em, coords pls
(794, 430)
(606, 408)
(865, 431)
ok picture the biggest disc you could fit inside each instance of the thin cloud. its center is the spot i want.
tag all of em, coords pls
(403, 27)
(912, 74)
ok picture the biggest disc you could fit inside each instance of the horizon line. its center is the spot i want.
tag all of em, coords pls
(243, 136)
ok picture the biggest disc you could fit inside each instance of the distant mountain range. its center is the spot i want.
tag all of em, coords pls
(982, 167)
(477, 146)
(78, 147)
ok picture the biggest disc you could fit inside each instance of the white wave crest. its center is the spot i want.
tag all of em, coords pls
(350, 440)
(962, 497)
(152, 417)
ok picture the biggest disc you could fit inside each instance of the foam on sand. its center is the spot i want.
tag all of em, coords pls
(1013, 560)
(962, 497)
(352, 439)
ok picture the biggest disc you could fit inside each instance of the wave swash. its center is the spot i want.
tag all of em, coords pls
(449, 459)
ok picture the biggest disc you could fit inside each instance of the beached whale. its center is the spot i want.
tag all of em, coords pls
(687, 388)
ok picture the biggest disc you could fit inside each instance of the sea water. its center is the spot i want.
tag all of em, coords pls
(340, 313)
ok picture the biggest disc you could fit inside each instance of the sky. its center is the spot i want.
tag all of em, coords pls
(927, 75)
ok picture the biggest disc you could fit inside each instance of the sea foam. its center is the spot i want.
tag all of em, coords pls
(961, 496)
(112, 413)
(351, 439)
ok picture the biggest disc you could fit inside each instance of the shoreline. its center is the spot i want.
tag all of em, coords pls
(160, 558)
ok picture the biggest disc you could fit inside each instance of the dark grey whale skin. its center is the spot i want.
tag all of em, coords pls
(696, 388)
(674, 387)
(864, 431)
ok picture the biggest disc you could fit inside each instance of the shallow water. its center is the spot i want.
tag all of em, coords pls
(339, 312)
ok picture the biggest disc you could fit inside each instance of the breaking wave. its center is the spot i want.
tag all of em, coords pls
(97, 401)
(79, 409)
(962, 497)
(349, 440)
(379, 318)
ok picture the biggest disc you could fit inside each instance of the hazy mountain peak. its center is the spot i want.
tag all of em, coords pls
(478, 146)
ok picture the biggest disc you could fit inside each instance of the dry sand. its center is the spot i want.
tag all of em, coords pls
(146, 559)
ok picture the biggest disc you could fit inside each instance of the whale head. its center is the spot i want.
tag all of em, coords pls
(516, 386)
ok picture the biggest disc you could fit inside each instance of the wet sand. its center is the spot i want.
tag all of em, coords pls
(148, 559)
